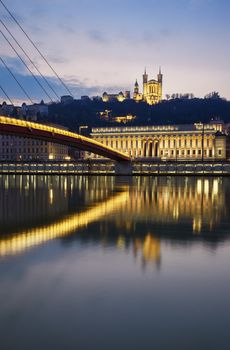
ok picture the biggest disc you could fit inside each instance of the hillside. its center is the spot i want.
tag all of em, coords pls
(177, 111)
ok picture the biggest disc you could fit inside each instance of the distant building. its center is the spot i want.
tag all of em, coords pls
(30, 112)
(151, 94)
(96, 98)
(120, 97)
(85, 98)
(35, 110)
(66, 99)
(152, 89)
(14, 148)
(7, 110)
(168, 142)
(124, 119)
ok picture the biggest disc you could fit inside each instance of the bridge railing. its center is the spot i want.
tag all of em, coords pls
(54, 130)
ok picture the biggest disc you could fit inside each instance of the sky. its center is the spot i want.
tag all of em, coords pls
(105, 45)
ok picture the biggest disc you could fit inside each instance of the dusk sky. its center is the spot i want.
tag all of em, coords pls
(104, 45)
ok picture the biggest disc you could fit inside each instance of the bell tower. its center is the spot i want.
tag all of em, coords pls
(145, 83)
(160, 76)
(160, 82)
(136, 88)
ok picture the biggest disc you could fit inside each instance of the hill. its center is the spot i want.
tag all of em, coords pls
(176, 111)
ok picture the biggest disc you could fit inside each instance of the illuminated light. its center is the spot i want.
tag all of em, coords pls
(199, 186)
(151, 248)
(121, 242)
(51, 196)
(53, 130)
(24, 240)
(215, 188)
(51, 156)
(206, 187)
(197, 224)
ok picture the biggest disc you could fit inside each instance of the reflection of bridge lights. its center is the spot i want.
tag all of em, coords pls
(19, 242)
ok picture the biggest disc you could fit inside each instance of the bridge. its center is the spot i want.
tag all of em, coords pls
(22, 128)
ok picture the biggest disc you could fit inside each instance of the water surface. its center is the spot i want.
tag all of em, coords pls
(114, 263)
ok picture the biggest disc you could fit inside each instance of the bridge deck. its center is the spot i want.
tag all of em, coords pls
(24, 128)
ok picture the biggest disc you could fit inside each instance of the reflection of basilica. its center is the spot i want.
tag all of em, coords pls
(63, 205)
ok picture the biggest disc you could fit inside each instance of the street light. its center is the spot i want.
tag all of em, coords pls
(82, 127)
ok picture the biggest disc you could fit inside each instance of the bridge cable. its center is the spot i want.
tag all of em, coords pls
(36, 48)
(26, 65)
(13, 75)
(28, 57)
(4, 92)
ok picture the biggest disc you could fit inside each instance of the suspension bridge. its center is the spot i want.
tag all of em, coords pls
(28, 129)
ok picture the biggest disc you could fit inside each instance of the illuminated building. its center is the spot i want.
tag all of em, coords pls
(16, 148)
(167, 142)
(152, 89)
(124, 119)
(120, 97)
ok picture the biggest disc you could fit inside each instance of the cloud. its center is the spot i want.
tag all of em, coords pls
(97, 36)
(77, 86)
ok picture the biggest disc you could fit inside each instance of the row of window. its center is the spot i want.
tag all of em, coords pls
(163, 144)
(24, 150)
(23, 143)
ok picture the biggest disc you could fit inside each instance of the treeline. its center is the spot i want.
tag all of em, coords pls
(175, 111)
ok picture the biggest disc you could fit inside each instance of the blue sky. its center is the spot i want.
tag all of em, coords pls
(101, 45)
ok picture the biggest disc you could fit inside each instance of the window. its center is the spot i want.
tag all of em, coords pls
(219, 152)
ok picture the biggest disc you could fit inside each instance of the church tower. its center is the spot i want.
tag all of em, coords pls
(137, 96)
(160, 76)
(160, 82)
(136, 88)
(145, 83)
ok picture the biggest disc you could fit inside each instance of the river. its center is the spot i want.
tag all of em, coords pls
(114, 262)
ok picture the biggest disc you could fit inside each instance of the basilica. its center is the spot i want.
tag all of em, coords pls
(151, 93)
(152, 89)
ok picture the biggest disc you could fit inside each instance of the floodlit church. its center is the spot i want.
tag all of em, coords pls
(151, 94)
(152, 89)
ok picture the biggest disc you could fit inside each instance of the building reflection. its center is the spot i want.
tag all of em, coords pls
(50, 207)
(149, 248)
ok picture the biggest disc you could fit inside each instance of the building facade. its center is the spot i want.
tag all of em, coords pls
(152, 89)
(167, 142)
(120, 97)
(14, 148)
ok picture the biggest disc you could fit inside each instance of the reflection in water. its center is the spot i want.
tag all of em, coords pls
(127, 262)
(27, 239)
(198, 202)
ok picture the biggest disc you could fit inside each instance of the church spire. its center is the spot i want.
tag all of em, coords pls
(145, 77)
(160, 76)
